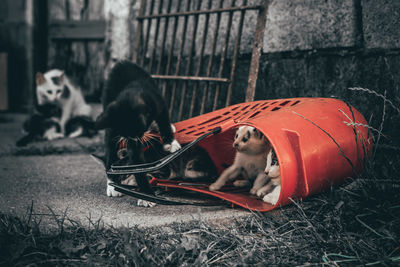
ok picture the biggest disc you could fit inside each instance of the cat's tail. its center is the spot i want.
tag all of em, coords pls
(25, 140)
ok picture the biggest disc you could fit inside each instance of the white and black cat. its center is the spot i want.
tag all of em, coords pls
(42, 125)
(54, 87)
(132, 102)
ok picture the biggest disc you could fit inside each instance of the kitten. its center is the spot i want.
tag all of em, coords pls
(131, 103)
(54, 87)
(43, 124)
(252, 162)
(270, 192)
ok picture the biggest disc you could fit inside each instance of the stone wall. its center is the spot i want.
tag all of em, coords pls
(317, 48)
(323, 48)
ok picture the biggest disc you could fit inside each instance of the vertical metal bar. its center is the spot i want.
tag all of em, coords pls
(146, 43)
(223, 57)
(255, 57)
(189, 65)
(171, 49)
(155, 37)
(200, 64)
(166, 24)
(235, 55)
(178, 64)
(67, 10)
(139, 33)
(210, 61)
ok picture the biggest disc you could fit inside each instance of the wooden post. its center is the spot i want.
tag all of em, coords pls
(3, 82)
(256, 54)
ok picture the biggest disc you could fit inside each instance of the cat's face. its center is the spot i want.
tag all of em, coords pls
(50, 87)
(249, 140)
(124, 119)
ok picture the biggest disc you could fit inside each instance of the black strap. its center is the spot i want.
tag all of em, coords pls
(156, 165)
(133, 191)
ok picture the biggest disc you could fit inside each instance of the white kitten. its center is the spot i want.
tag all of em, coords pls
(54, 87)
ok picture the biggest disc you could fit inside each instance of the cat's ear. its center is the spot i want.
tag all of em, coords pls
(40, 78)
(103, 120)
(58, 80)
(62, 77)
(257, 133)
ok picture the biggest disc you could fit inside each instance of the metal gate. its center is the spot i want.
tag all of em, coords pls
(192, 79)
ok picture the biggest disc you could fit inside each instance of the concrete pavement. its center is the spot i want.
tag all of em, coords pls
(61, 176)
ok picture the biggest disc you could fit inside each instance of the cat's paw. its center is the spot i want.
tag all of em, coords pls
(51, 135)
(130, 180)
(273, 197)
(173, 129)
(241, 183)
(214, 187)
(253, 191)
(145, 203)
(111, 192)
(76, 133)
(174, 146)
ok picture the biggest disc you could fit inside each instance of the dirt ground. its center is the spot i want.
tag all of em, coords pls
(61, 177)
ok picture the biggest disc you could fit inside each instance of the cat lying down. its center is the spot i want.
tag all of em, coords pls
(61, 110)
(253, 164)
(44, 124)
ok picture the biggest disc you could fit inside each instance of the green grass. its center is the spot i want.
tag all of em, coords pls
(352, 225)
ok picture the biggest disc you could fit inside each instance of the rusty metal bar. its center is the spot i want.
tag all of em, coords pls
(189, 65)
(235, 56)
(160, 5)
(146, 43)
(178, 64)
(210, 61)
(200, 64)
(139, 32)
(191, 78)
(223, 57)
(198, 12)
(166, 24)
(171, 49)
(255, 57)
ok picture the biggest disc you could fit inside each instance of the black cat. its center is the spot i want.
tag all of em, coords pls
(43, 124)
(132, 102)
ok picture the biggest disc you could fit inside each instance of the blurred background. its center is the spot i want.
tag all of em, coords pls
(309, 48)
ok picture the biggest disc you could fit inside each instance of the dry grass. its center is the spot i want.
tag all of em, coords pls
(357, 224)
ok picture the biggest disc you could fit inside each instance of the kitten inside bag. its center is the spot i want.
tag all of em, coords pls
(253, 165)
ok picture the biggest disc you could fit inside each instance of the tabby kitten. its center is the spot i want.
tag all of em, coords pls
(253, 162)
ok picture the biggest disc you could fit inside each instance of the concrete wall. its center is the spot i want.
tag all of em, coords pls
(322, 48)
(311, 48)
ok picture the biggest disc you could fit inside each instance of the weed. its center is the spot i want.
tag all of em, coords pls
(357, 224)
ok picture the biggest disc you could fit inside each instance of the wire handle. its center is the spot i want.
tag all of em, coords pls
(153, 166)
